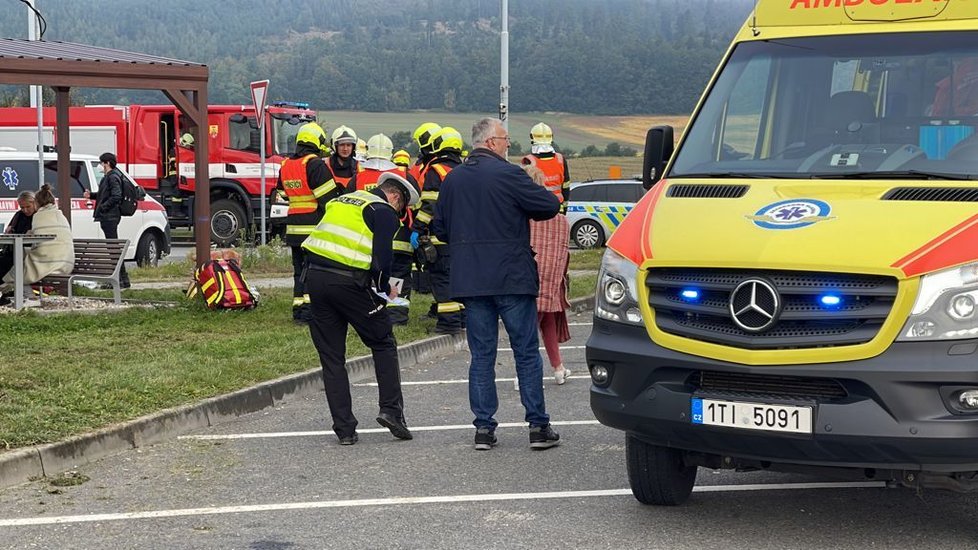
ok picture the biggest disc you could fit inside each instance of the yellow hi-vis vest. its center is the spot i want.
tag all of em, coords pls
(342, 235)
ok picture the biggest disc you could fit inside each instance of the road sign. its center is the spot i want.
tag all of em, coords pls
(259, 95)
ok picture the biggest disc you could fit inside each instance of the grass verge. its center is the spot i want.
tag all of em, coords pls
(66, 374)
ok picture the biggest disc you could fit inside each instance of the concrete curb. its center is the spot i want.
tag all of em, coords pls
(21, 465)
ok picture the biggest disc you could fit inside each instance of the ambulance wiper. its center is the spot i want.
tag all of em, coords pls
(893, 174)
(731, 175)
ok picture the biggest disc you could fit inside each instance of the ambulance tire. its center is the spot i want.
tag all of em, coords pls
(149, 250)
(228, 220)
(658, 475)
(588, 234)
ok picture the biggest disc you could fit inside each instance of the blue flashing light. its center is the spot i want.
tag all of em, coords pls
(830, 300)
(690, 294)
(295, 104)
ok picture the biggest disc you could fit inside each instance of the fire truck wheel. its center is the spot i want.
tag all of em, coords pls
(227, 222)
(148, 250)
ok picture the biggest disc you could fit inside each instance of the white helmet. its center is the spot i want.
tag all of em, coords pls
(406, 187)
(541, 134)
(343, 134)
(380, 146)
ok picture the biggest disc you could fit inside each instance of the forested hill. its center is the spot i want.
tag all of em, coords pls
(582, 56)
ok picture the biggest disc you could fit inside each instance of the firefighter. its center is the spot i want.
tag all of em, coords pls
(361, 151)
(401, 158)
(378, 162)
(341, 164)
(446, 150)
(551, 163)
(306, 181)
(349, 261)
(422, 137)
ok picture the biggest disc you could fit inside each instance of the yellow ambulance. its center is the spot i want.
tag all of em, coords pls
(797, 291)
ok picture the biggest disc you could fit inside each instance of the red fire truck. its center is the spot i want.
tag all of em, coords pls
(154, 146)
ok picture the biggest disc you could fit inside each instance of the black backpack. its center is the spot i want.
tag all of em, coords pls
(131, 196)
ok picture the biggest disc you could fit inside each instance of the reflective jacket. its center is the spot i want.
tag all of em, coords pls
(305, 173)
(432, 176)
(343, 236)
(555, 173)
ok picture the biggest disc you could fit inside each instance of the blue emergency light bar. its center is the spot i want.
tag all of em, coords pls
(296, 104)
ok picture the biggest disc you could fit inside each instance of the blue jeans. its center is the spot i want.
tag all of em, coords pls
(519, 315)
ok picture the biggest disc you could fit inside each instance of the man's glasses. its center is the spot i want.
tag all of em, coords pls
(501, 137)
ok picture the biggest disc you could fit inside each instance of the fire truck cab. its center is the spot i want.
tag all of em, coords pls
(154, 144)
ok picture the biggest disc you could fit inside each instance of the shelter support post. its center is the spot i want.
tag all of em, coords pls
(64, 151)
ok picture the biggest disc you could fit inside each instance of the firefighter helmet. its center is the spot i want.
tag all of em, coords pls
(541, 134)
(401, 158)
(344, 134)
(445, 140)
(313, 135)
(423, 135)
(379, 146)
(361, 150)
(187, 140)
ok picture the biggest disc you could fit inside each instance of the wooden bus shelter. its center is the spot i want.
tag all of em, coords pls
(63, 65)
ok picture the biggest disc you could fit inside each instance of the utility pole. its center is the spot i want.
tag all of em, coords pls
(37, 98)
(504, 67)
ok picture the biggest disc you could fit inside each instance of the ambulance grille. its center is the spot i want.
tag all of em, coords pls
(768, 385)
(932, 194)
(865, 302)
(707, 191)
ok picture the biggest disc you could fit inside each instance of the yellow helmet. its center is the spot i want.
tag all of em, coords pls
(344, 134)
(423, 135)
(379, 146)
(541, 134)
(361, 149)
(447, 139)
(400, 158)
(312, 134)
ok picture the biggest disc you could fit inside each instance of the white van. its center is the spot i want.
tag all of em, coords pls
(147, 230)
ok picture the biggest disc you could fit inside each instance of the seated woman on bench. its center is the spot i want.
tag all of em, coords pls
(54, 257)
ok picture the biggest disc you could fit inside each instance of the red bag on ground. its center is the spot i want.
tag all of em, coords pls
(222, 285)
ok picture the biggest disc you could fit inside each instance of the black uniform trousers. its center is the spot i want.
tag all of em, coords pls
(339, 300)
(300, 309)
(450, 314)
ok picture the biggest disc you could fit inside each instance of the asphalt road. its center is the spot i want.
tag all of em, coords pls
(277, 479)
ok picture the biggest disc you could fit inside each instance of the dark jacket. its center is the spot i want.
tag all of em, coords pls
(109, 197)
(483, 214)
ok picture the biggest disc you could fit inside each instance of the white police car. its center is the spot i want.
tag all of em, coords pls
(147, 230)
(596, 208)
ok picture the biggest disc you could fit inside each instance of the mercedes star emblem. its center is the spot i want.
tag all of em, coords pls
(755, 305)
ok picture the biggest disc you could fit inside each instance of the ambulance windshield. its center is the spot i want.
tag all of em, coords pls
(859, 106)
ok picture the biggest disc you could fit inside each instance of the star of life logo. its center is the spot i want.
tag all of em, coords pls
(791, 214)
(10, 178)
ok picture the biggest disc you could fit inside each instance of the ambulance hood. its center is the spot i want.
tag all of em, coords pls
(825, 225)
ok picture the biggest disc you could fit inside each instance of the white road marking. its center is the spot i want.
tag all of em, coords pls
(545, 349)
(455, 381)
(317, 433)
(580, 324)
(400, 501)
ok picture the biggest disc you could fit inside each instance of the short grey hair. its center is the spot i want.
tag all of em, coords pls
(25, 195)
(483, 130)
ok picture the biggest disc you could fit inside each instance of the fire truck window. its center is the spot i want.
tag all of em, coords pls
(243, 133)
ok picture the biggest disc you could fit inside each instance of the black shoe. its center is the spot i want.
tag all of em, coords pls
(398, 427)
(350, 439)
(124, 284)
(449, 331)
(543, 437)
(485, 439)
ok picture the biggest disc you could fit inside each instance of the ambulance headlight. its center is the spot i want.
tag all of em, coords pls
(946, 306)
(616, 298)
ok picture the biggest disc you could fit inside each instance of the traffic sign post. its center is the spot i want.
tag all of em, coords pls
(259, 95)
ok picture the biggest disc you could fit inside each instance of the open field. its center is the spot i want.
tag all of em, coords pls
(570, 130)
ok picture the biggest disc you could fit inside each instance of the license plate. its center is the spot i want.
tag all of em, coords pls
(752, 416)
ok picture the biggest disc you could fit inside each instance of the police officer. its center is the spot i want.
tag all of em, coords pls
(378, 161)
(342, 164)
(551, 163)
(308, 184)
(349, 257)
(446, 150)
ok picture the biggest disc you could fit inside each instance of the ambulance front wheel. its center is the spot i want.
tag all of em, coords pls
(658, 475)
(149, 250)
(227, 222)
(588, 234)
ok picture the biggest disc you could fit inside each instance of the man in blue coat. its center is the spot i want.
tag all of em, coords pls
(483, 214)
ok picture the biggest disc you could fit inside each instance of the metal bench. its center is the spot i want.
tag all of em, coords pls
(98, 260)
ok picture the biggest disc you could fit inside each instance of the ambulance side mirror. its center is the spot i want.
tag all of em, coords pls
(658, 150)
